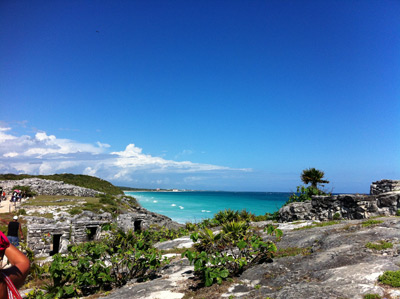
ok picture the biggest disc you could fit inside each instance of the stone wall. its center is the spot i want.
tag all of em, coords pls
(384, 186)
(346, 206)
(49, 236)
(144, 219)
(49, 187)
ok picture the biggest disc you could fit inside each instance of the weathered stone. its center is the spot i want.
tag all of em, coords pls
(49, 187)
(384, 186)
(347, 206)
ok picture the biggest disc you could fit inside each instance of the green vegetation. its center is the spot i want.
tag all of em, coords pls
(304, 194)
(372, 296)
(229, 215)
(391, 278)
(85, 181)
(229, 252)
(99, 266)
(313, 176)
(381, 245)
(99, 204)
(370, 222)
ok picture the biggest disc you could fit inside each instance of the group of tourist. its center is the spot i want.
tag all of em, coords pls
(16, 195)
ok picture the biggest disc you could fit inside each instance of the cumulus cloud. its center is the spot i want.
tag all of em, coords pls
(47, 154)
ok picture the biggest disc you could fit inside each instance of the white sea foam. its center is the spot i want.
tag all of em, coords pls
(205, 211)
(155, 201)
(181, 207)
(173, 205)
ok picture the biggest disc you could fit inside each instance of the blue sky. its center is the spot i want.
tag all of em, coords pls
(211, 95)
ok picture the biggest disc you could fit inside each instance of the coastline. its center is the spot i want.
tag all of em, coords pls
(195, 206)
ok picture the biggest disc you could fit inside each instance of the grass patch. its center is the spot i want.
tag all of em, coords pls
(56, 200)
(75, 211)
(321, 224)
(381, 245)
(372, 296)
(371, 222)
(292, 251)
(391, 278)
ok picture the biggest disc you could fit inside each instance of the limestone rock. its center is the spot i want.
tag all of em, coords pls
(49, 187)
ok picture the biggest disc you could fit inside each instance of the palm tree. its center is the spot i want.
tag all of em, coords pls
(313, 176)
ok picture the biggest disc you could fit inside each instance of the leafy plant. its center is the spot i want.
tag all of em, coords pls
(229, 252)
(391, 278)
(304, 194)
(101, 265)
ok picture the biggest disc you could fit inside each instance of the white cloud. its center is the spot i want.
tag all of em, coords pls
(47, 154)
(10, 155)
(102, 145)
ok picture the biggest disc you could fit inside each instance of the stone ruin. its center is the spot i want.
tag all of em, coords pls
(47, 237)
(144, 219)
(384, 186)
(384, 200)
(49, 187)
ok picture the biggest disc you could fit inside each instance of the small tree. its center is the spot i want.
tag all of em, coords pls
(313, 176)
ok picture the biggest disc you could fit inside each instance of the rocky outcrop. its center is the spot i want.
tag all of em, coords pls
(335, 263)
(49, 187)
(384, 186)
(346, 206)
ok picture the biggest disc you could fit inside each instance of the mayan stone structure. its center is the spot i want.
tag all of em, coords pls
(50, 236)
(384, 200)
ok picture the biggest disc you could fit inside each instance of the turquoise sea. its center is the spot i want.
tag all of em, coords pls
(195, 206)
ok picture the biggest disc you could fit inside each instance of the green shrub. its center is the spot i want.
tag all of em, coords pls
(303, 194)
(101, 265)
(336, 216)
(391, 278)
(379, 246)
(228, 253)
(398, 213)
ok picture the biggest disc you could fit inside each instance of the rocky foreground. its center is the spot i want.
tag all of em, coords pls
(334, 263)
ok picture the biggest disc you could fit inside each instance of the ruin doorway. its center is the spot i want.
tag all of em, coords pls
(137, 225)
(56, 244)
(92, 233)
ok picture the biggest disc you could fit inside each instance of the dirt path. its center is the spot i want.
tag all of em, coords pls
(7, 206)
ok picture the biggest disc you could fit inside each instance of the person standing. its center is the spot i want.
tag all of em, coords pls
(13, 228)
